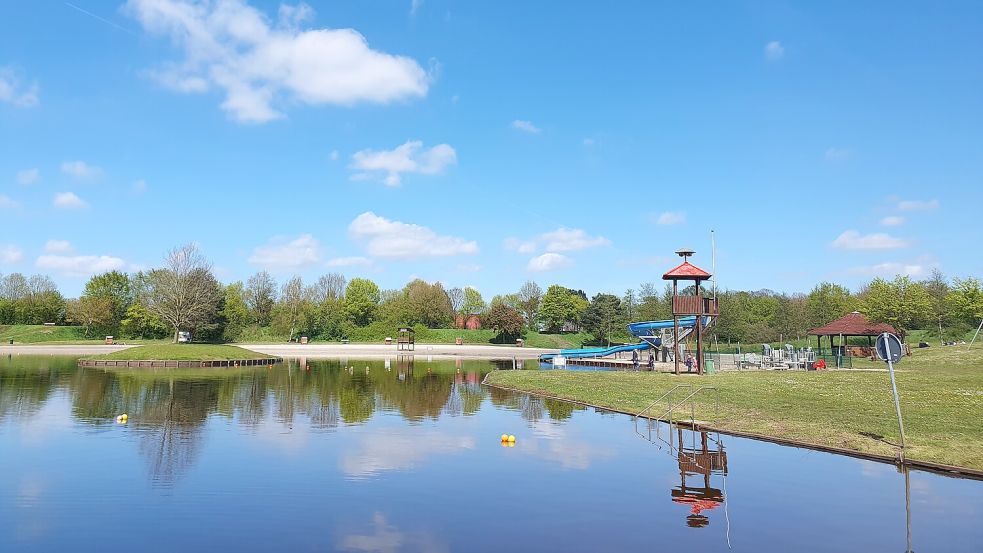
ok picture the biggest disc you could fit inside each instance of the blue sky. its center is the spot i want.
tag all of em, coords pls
(486, 144)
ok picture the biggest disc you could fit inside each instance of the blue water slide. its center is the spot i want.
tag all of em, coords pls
(647, 329)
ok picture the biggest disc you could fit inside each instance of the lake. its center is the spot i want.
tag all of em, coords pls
(405, 455)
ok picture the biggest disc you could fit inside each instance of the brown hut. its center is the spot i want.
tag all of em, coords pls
(851, 324)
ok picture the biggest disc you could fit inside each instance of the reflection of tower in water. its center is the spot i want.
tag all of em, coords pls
(698, 462)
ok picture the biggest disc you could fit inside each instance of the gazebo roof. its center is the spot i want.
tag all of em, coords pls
(686, 271)
(852, 324)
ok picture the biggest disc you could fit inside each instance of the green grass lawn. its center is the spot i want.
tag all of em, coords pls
(40, 334)
(182, 352)
(941, 392)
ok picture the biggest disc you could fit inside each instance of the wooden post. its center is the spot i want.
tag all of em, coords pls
(675, 329)
(699, 331)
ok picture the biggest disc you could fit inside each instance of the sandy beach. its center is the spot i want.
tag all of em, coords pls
(365, 351)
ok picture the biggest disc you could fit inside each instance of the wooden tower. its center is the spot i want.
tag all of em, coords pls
(690, 305)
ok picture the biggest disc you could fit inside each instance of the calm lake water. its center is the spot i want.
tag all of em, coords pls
(406, 456)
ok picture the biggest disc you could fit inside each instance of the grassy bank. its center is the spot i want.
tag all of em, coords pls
(941, 391)
(182, 352)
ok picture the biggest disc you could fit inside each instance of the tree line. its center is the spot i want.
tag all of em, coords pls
(184, 295)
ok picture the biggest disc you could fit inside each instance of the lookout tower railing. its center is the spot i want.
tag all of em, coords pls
(694, 305)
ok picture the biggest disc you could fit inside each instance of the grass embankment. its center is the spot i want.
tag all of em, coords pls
(941, 392)
(182, 352)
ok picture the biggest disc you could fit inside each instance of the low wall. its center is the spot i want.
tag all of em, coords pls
(184, 364)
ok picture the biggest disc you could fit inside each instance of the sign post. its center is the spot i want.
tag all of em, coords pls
(889, 349)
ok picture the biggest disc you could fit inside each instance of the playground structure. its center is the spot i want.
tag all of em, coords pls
(692, 315)
(406, 339)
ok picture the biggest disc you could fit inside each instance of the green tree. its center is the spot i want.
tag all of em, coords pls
(505, 320)
(427, 304)
(473, 302)
(938, 289)
(530, 296)
(291, 311)
(235, 312)
(115, 287)
(361, 301)
(899, 303)
(140, 322)
(260, 296)
(827, 302)
(89, 312)
(604, 314)
(966, 301)
(562, 306)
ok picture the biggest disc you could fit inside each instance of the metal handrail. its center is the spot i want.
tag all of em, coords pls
(663, 396)
(716, 406)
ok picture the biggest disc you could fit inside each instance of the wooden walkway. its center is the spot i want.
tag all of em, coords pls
(186, 364)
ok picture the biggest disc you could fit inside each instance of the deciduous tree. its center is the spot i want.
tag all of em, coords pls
(183, 293)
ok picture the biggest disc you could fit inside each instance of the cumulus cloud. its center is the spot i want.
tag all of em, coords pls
(68, 200)
(58, 246)
(80, 170)
(891, 268)
(354, 261)
(397, 240)
(525, 126)
(521, 246)
(548, 262)
(918, 205)
(407, 158)
(259, 64)
(570, 240)
(670, 218)
(284, 253)
(7, 203)
(79, 265)
(10, 254)
(14, 91)
(892, 221)
(774, 51)
(28, 176)
(562, 239)
(853, 240)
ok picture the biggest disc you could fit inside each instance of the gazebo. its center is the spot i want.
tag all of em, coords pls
(851, 324)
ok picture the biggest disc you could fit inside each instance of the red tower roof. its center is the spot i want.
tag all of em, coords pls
(852, 324)
(686, 271)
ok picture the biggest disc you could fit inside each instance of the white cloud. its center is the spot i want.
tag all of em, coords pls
(10, 254)
(257, 63)
(837, 154)
(892, 221)
(525, 126)
(570, 240)
(548, 262)
(588, 142)
(516, 245)
(334, 155)
(28, 176)
(398, 240)
(80, 170)
(853, 240)
(774, 51)
(918, 205)
(79, 265)
(349, 262)
(14, 91)
(68, 200)
(891, 269)
(469, 267)
(415, 6)
(7, 203)
(139, 187)
(58, 246)
(282, 253)
(671, 218)
(407, 158)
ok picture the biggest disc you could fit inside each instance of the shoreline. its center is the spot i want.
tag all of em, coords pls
(311, 351)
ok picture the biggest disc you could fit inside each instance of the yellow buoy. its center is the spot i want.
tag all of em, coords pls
(124, 416)
(511, 439)
(511, 444)
(505, 437)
